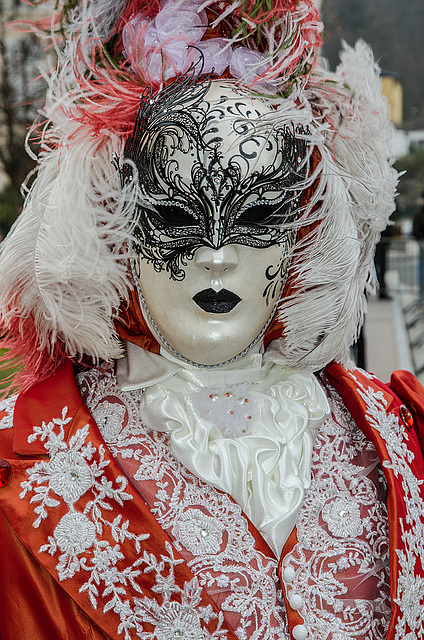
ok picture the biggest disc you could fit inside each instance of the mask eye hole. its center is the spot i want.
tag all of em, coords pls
(174, 216)
(270, 213)
(259, 214)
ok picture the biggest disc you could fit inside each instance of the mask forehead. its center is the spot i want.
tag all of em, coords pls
(235, 128)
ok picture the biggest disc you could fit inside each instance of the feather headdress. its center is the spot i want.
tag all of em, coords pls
(63, 267)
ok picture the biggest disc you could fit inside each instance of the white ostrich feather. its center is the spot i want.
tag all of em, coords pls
(65, 260)
(334, 267)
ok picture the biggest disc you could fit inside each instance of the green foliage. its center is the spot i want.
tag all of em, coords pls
(5, 374)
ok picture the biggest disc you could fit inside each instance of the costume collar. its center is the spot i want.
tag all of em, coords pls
(140, 368)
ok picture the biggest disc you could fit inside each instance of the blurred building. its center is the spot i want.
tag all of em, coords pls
(392, 88)
(405, 139)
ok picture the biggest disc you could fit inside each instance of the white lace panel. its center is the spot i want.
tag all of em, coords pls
(339, 568)
(337, 574)
(205, 525)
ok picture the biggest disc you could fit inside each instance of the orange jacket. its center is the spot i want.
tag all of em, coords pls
(77, 559)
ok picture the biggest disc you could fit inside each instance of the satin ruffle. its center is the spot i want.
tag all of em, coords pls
(247, 429)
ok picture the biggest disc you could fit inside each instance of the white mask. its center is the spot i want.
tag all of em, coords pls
(219, 188)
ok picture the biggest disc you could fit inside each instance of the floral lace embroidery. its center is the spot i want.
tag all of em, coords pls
(110, 416)
(198, 533)
(75, 473)
(343, 517)
(177, 620)
(340, 561)
(410, 595)
(205, 525)
(343, 522)
(7, 406)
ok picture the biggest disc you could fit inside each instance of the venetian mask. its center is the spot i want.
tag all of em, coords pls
(220, 187)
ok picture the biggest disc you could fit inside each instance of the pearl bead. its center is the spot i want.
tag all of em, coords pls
(296, 602)
(289, 574)
(300, 632)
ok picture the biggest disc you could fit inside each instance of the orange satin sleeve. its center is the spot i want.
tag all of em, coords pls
(33, 606)
(56, 608)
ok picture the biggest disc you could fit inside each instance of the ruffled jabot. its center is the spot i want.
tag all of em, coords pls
(247, 429)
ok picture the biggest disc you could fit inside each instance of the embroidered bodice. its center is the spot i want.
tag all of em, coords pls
(339, 565)
(336, 575)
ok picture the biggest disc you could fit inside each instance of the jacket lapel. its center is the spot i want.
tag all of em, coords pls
(90, 529)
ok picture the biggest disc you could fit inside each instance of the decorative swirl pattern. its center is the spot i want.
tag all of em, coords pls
(211, 172)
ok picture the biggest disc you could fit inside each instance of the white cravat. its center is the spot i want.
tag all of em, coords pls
(247, 428)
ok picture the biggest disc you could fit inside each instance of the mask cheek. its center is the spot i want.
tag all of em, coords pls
(275, 275)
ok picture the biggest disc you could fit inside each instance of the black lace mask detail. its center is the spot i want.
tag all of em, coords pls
(191, 195)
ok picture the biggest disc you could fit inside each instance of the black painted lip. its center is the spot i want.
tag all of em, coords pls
(212, 301)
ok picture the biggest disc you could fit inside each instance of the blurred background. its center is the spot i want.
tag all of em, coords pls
(393, 335)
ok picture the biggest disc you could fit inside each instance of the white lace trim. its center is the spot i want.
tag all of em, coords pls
(7, 405)
(410, 595)
(336, 576)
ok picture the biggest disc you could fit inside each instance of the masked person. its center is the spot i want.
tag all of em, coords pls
(192, 454)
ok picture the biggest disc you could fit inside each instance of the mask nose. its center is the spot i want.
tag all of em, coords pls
(217, 262)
